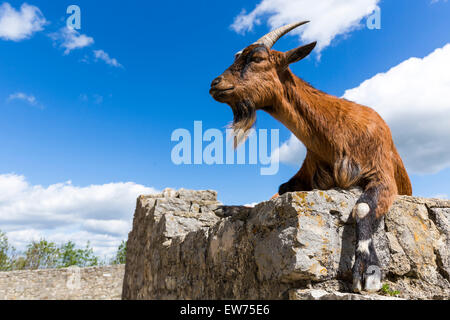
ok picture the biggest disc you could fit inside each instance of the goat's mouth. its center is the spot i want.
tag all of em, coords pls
(219, 94)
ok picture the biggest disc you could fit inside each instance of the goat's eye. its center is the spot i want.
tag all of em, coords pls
(257, 59)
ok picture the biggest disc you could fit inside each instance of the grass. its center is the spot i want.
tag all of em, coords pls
(388, 291)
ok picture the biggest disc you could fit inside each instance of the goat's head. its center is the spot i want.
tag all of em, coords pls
(253, 82)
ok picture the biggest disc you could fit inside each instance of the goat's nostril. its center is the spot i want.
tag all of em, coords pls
(216, 81)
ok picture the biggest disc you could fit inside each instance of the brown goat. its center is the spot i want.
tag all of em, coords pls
(347, 144)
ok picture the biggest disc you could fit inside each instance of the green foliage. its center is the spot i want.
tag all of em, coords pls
(48, 255)
(388, 291)
(41, 255)
(18, 263)
(4, 248)
(121, 255)
(6, 253)
(70, 256)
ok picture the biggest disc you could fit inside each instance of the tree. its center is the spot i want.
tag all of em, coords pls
(121, 255)
(48, 255)
(6, 253)
(41, 255)
(70, 256)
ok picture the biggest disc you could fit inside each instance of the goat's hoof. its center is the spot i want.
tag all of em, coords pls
(232, 211)
(357, 287)
(284, 188)
(373, 283)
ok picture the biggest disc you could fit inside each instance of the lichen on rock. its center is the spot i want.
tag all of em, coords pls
(186, 245)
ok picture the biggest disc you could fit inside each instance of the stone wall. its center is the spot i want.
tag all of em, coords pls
(185, 245)
(97, 283)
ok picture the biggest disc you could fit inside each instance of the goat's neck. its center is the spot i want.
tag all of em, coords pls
(304, 110)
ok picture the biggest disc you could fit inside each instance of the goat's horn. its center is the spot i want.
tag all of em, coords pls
(272, 37)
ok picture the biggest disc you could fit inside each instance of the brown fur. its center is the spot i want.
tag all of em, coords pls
(348, 144)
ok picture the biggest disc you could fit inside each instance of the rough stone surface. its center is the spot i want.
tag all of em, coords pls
(318, 294)
(184, 245)
(97, 283)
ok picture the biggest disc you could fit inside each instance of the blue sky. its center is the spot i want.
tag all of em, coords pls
(69, 115)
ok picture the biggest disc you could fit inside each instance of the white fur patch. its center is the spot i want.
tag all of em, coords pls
(373, 283)
(363, 246)
(361, 210)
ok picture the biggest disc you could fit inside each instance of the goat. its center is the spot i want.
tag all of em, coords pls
(348, 145)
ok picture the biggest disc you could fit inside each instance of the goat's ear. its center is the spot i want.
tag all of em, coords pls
(300, 53)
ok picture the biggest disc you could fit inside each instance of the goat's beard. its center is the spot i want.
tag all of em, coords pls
(244, 119)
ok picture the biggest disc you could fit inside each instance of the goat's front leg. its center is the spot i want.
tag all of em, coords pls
(302, 181)
(370, 208)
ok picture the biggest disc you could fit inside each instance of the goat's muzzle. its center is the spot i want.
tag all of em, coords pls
(220, 89)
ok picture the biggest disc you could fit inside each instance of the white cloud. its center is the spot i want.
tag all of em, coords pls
(98, 99)
(70, 39)
(329, 18)
(61, 212)
(84, 97)
(102, 55)
(414, 99)
(291, 152)
(251, 205)
(112, 227)
(17, 25)
(24, 97)
(95, 98)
